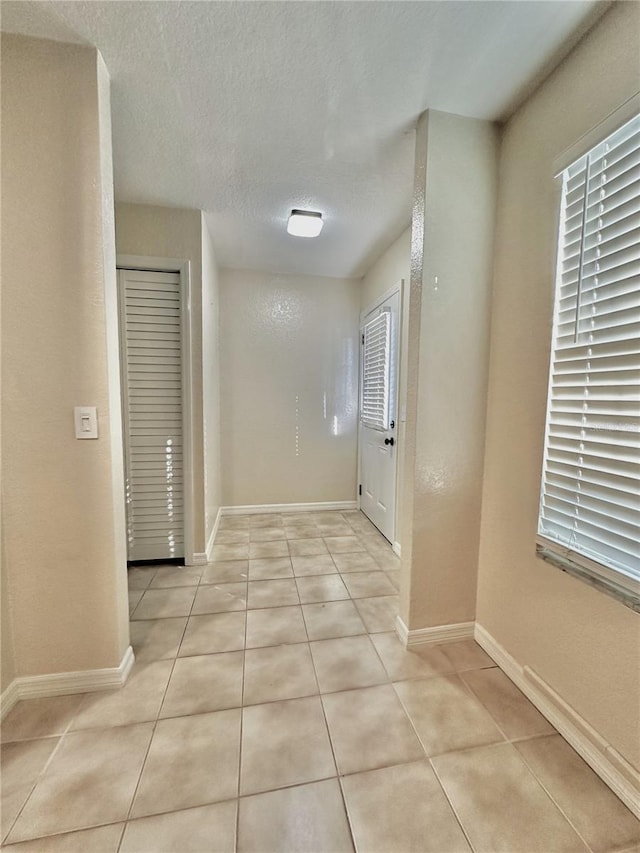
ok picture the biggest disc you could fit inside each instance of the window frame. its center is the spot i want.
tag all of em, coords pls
(606, 578)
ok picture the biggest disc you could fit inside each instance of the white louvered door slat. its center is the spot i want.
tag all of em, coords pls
(378, 392)
(375, 373)
(590, 505)
(151, 355)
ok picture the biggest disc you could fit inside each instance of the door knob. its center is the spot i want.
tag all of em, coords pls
(389, 441)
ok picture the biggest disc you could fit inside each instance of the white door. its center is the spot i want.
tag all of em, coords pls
(379, 337)
(151, 364)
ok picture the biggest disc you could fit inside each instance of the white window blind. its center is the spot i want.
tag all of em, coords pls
(374, 411)
(590, 497)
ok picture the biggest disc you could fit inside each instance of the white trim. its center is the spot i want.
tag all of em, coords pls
(212, 537)
(8, 699)
(199, 558)
(397, 549)
(397, 288)
(144, 262)
(256, 509)
(437, 634)
(610, 766)
(112, 342)
(624, 113)
(65, 683)
(187, 416)
(402, 631)
(183, 268)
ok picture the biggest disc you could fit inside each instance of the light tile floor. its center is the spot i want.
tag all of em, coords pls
(272, 708)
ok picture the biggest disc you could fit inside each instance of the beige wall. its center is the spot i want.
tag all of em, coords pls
(7, 668)
(210, 380)
(65, 572)
(173, 232)
(585, 645)
(289, 384)
(392, 267)
(451, 266)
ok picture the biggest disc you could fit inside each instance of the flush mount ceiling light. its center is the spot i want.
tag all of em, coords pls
(304, 223)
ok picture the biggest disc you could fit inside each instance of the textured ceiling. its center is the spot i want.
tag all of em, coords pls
(247, 109)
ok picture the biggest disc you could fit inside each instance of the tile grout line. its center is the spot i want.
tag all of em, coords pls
(339, 777)
(60, 737)
(473, 695)
(451, 806)
(6, 835)
(333, 752)
(55, 750)
(121, 839)
(174, 659)
(155, 722)
(244, 669)
(144, 591)
(551, 797)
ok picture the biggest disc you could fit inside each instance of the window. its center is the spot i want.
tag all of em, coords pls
(376, 339)
(589, 521)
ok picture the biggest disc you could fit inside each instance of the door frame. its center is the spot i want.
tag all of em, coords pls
(399, 289)
(183, 268)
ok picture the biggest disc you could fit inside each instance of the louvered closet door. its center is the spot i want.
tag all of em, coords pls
(150, 336)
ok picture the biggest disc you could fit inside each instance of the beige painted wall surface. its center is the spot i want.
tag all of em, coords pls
(65, 577)
(450, 329)
(289, 387)
(174, 232)
(210, 380)
(583, 643)
(7, 667)
(392, 267)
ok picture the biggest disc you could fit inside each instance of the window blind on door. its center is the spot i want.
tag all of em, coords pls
(152, 392)
(374, 409)
(590, 496)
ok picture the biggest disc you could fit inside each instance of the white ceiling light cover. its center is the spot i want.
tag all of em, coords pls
(304, 223)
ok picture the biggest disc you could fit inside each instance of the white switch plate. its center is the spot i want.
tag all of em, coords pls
(86, 421)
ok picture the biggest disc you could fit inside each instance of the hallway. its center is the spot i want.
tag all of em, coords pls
(272, 708)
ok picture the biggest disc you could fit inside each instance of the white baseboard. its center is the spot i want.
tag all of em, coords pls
(212, 537)
(199, 559)
(256, 509)
(610, 766)
(437, 634)
(8, 699)
(65, 683)
(397, 549)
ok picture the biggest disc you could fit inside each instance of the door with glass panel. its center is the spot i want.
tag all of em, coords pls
(151, 369)
(379, 337)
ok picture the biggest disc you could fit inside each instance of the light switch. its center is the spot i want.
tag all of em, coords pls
(86, 421)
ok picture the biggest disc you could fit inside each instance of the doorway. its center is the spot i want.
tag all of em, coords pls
(155, 381)
(377, 433)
